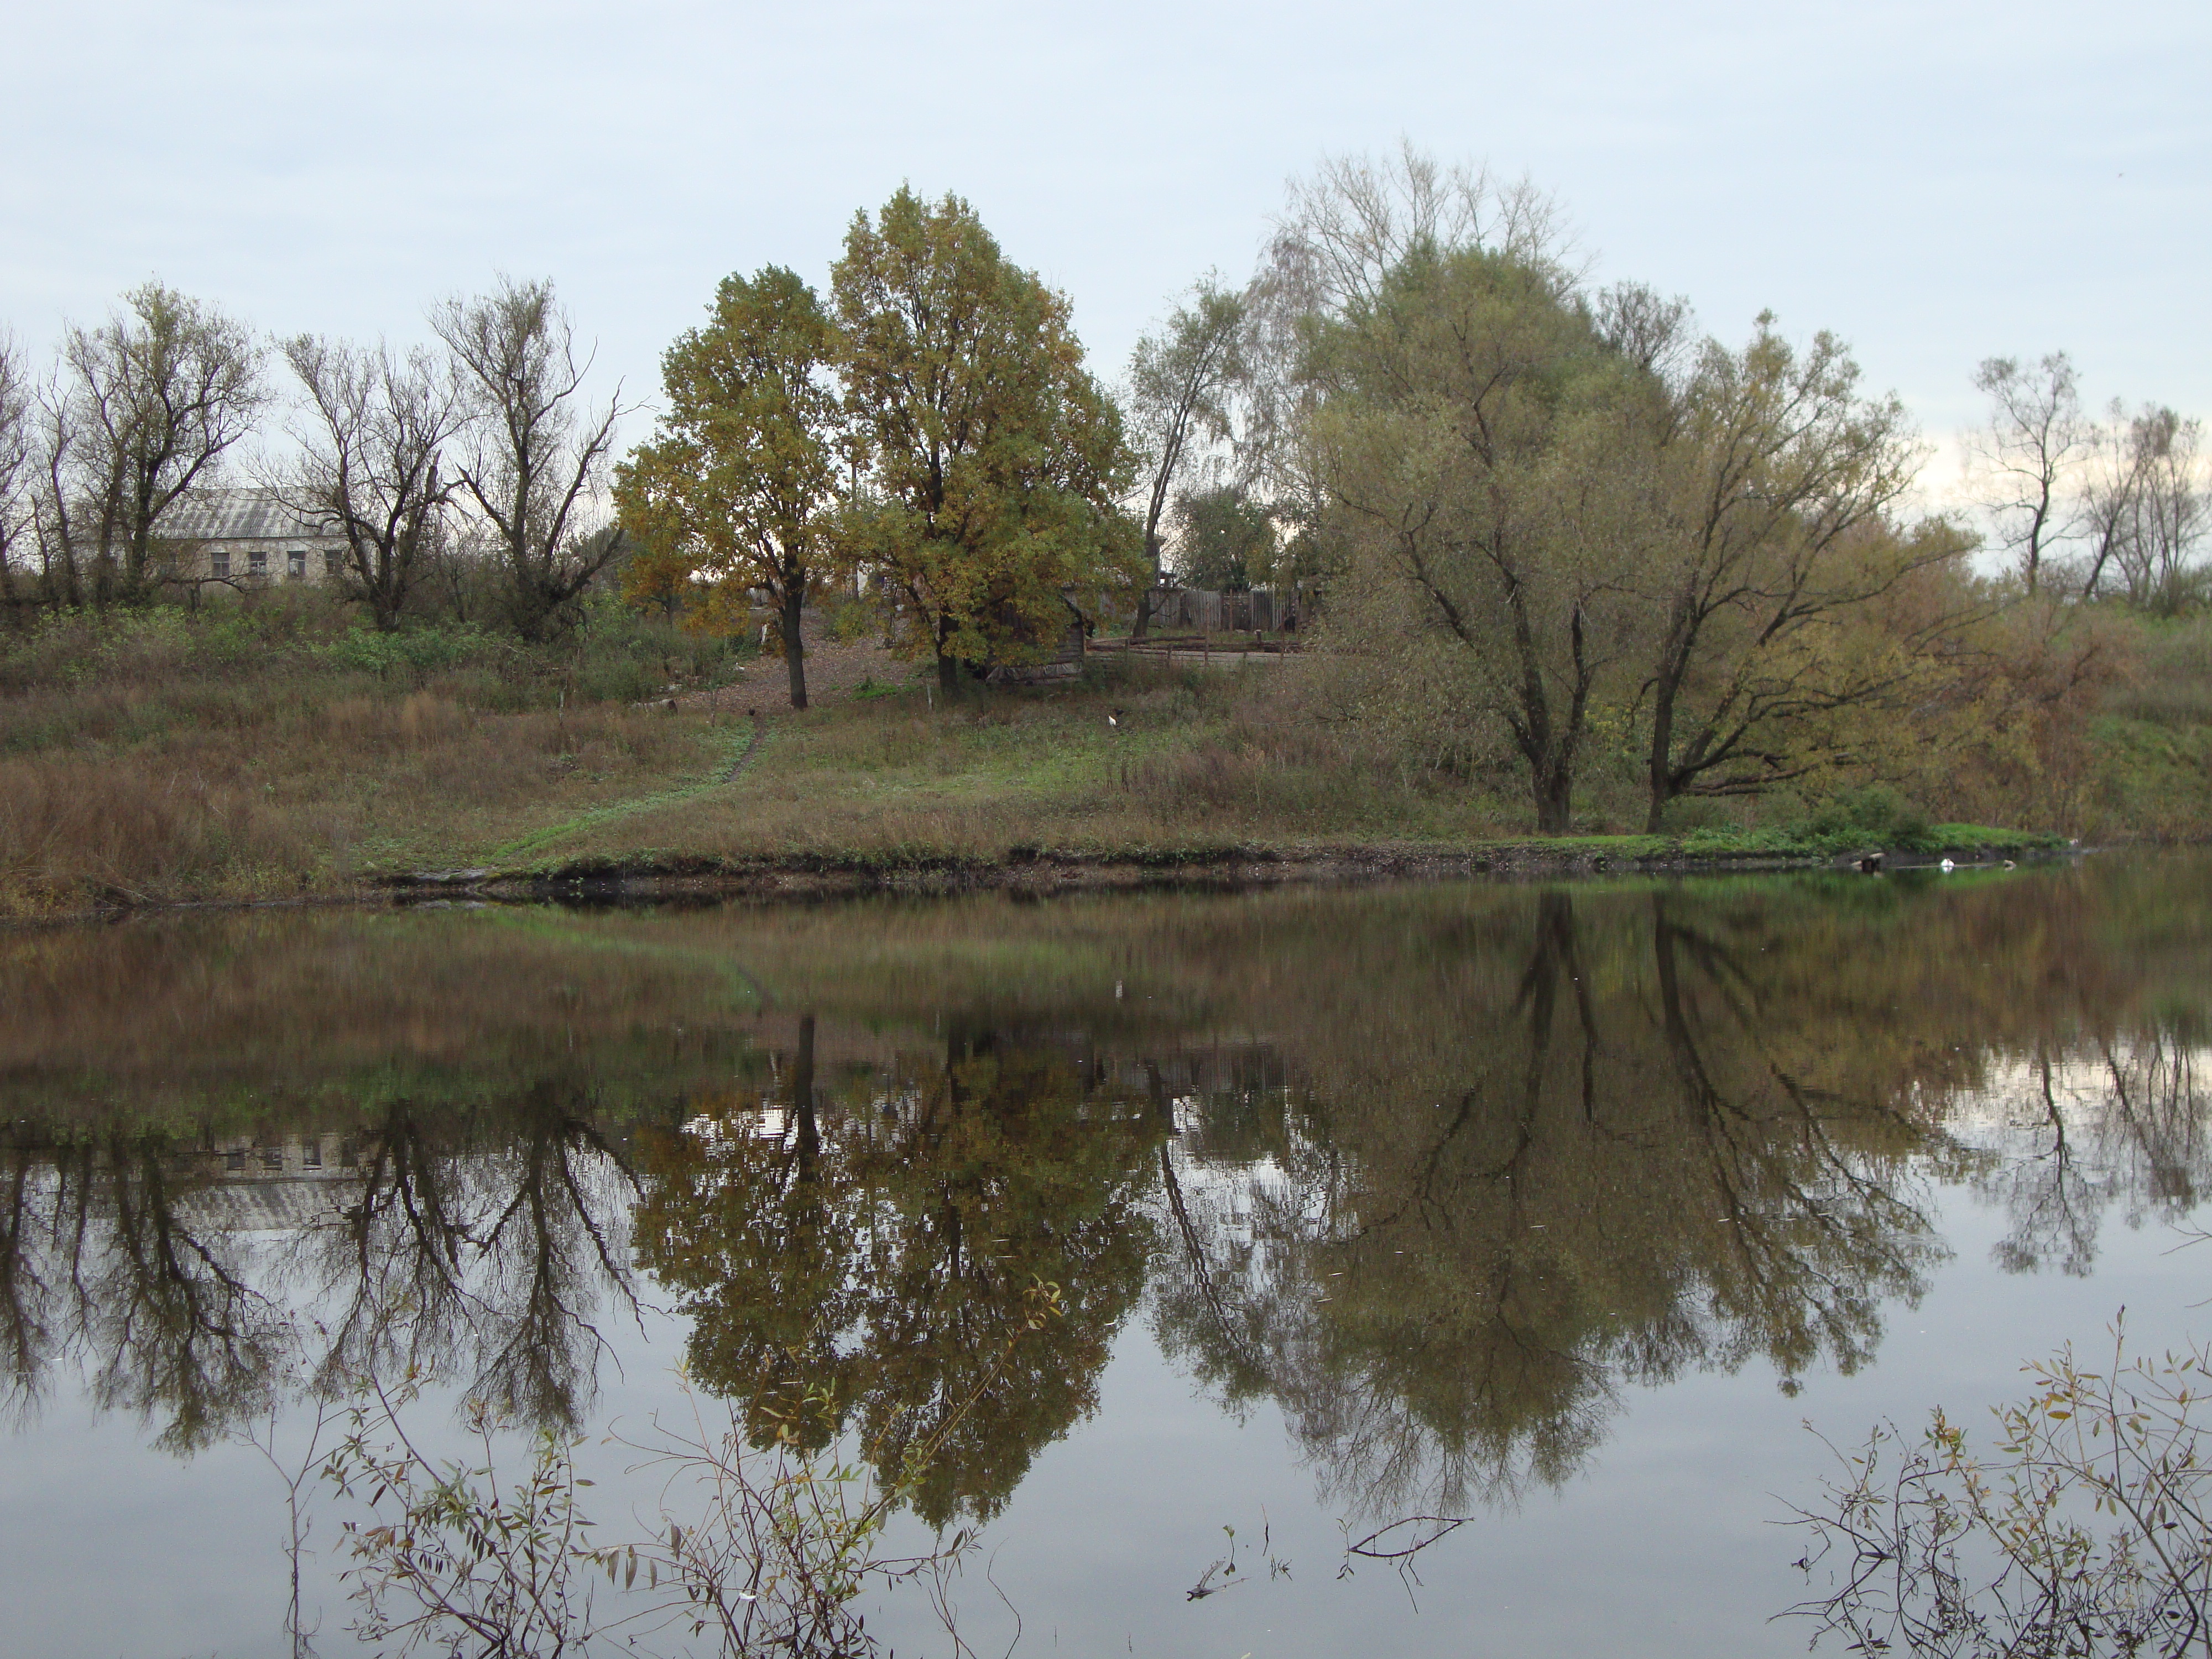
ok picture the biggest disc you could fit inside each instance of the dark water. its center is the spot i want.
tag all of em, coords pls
(1557, 1212)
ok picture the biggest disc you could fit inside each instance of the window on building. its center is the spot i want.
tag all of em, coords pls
(333, 563)
(311, 1150)
(259, 561)
(219, 565)
(295, 563)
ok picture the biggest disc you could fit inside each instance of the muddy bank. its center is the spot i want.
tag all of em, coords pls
(1043, 870)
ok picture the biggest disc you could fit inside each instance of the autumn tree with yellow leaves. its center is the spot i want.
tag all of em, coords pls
(991, 461)
(738, 488)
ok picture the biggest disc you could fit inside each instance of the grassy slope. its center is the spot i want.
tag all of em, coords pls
(222, 761)
(1184, 767)
(1187, 766)
(247, 756)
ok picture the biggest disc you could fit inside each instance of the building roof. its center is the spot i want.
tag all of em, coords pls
(240, 515)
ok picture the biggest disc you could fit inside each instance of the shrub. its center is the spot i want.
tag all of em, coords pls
(1873, 812)
(2081, 1526)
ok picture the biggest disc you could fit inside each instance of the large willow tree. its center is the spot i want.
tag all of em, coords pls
(1562, 517)
(1765, 663)
(1487, 454)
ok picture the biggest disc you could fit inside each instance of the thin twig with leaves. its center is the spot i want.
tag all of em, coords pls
(760, 1550)
(2083, 1531)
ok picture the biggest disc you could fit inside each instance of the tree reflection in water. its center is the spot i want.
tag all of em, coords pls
(2121, 1122)
(1443, 1256)
(1438, 1171)
(478, 1248)
(871, 1244)
(478, 1251)
(103, 1263)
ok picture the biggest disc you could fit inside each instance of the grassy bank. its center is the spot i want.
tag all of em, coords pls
(285, 751)
(281, 750)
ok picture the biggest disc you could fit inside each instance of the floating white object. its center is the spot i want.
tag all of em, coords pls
(1947, 866)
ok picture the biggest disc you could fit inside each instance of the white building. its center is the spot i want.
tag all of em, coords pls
(249, 536)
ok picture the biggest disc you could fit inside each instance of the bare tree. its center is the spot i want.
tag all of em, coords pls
(535, 454)
(2035, 437)
(18, 464)
(2170, 509)
(146, 406)
(2108, 500)
(1344, 229)
(51, 521)
(2145, 507)
(1180, 382)
(370, 440)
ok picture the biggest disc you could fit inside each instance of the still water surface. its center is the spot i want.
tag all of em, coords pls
(1561, 1213)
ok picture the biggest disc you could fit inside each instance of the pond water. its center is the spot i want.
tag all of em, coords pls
(1574, 1215)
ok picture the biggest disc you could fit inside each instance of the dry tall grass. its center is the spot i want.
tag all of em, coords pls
(308, 798)
(72, 831)
(151, 759)
(158, 758)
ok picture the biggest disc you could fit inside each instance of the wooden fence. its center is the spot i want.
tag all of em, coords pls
(1195, 611)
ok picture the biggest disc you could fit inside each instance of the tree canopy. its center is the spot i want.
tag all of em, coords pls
(534, 454)
(739, 487)
(992, 460)
(1570, 524)
(1487, 452)
(1224, 539)
(1771, 531)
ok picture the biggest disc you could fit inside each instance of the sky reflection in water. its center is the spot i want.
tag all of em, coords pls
(1553, 1208)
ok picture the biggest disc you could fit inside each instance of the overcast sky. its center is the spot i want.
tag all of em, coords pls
(1935, 182)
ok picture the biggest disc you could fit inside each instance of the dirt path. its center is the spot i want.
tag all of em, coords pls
(834, 671)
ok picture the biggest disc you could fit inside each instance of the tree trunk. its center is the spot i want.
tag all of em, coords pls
(948, 666)
(802, 1094)
(794, 646)
(1662, 774)
(1143, 625)
(1555, 790)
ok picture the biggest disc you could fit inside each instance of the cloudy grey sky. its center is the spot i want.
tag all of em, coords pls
(1936, 181)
